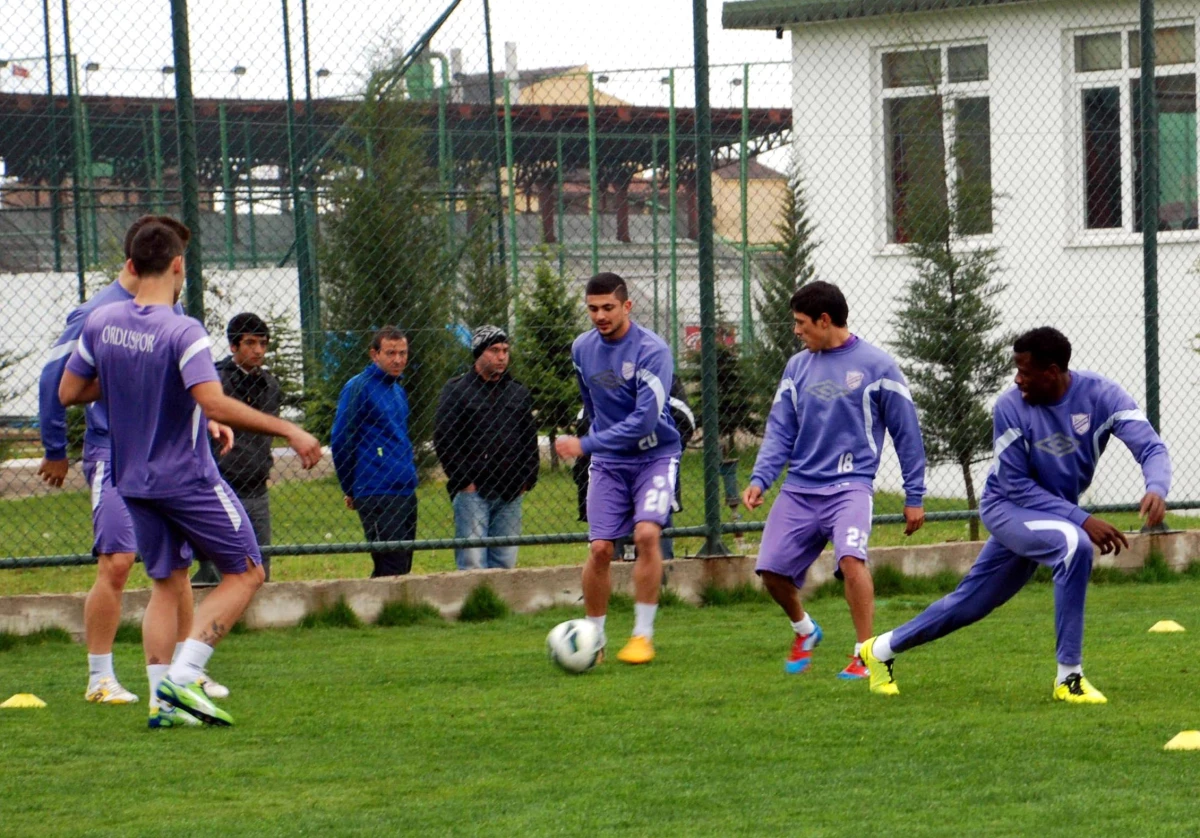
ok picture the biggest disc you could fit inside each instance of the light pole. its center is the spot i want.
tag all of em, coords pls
(88, 69)
(167, 70)
(238, 72)
(322, 73)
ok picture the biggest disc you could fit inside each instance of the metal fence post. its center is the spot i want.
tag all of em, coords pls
(1149, 165)
(189, 175)
(708, 301)
(593, 174)
(76, 169)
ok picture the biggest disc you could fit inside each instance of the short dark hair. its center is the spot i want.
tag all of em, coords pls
(241, 325)
(154, 248)
(181, 230)
(387, 333)
(1045, 345)
(817, 298)
(603, 284)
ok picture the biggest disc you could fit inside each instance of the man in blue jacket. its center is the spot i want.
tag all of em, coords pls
(373, 454)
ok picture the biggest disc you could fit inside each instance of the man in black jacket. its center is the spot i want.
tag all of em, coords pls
(486, 441)
(247, 466)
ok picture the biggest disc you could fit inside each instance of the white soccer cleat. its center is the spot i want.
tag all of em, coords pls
(212, 689)
(109, 691)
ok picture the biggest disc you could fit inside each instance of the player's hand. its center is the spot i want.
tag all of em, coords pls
(223, 434)
(54, 472)
(568, 446)
(1105, 536)
(1154, 509)
(349, 502)
(752, 498)
(914, 519)
(307, 446)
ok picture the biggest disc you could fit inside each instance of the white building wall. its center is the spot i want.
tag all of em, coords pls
(1057, 276)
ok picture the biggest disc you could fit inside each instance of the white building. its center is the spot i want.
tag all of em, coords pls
(1038, 100)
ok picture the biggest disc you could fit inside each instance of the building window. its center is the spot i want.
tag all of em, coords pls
(1108, 86)
(937, 130)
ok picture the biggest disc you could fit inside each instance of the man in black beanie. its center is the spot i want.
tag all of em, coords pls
(486, 441)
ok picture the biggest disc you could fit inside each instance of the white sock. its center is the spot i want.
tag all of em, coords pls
(189, 664)
(1064, 670)
(100, 666)
(155, 672)
(857, 649)
(643, 618)
(598, 622)
(804, 626)
(178, 649)
(882, 647)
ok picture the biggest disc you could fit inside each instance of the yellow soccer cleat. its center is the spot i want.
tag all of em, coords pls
(881, 680)
(639, 649)
(108, 691)
(1075, 689)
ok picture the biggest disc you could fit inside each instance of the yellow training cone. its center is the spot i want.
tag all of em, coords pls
(29, 700)
(1189, 740)
(1163, 626)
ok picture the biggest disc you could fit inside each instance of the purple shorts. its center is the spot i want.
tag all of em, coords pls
(800, 524)
(112, 527)
(622, 494)
(214, 523)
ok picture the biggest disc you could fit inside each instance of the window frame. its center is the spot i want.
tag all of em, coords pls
(1121, 79)
(950, 93)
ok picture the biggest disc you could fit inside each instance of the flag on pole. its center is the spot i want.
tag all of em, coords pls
(20, 72)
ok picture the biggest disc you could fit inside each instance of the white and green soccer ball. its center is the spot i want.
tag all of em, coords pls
(575, 645)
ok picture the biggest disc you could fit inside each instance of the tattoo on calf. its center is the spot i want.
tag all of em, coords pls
(211, 635)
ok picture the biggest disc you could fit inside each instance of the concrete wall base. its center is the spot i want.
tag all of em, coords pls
(281, 604)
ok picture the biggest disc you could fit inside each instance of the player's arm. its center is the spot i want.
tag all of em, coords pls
(899, 416)
(229, 411)
(652, 379)
(52, 413)
(571, 446)
(779, 438)
(1132, 427)
(79, 383)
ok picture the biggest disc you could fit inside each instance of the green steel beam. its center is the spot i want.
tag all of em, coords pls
(248, 166)
(593, 173)
(673, 211)
(76, 169)
(189, 163)
(1150, 200)
(227, 186)
(511, 178)
(744, 203)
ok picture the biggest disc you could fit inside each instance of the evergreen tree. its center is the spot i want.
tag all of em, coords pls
(483, 292)
(385, 259)
(948, 330)
(790, 266)
(550, 317)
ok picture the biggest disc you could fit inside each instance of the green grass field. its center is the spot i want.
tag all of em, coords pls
(465, 729)
(312, 512)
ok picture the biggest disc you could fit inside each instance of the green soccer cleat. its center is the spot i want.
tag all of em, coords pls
(165, 716)
(192, 699)
(1075, 689)
(881, 680)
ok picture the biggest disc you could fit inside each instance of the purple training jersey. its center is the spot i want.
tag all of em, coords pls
(147, 357)
(1045, 455)
(828, 419)
(624, 386)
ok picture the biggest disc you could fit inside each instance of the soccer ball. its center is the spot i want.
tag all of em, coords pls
(574, 645)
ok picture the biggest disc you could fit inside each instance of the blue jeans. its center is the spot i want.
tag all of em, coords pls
(478, 517)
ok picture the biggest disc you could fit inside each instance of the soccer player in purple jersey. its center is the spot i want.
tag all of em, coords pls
(624, 372)
(833, 404)
(113, 544)
(159, 384)
(1048, 436)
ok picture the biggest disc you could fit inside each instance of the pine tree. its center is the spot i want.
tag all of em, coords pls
(790, 266)
(550, 317)
(484, 295)
(949, 333)
(385, 258)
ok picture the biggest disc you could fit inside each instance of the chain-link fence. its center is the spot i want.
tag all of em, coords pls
(962, 170)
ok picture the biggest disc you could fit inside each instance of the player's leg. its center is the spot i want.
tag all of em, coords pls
(610, 517)
(504, 519)
(848, 515)
(791, 542)
(115, 546)
(1066, 549)
(217, 527)
(470, 521)
(993, 580)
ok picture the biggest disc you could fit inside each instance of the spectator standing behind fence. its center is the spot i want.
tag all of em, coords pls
(486, 441)
(373, 454)
(247, 466)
